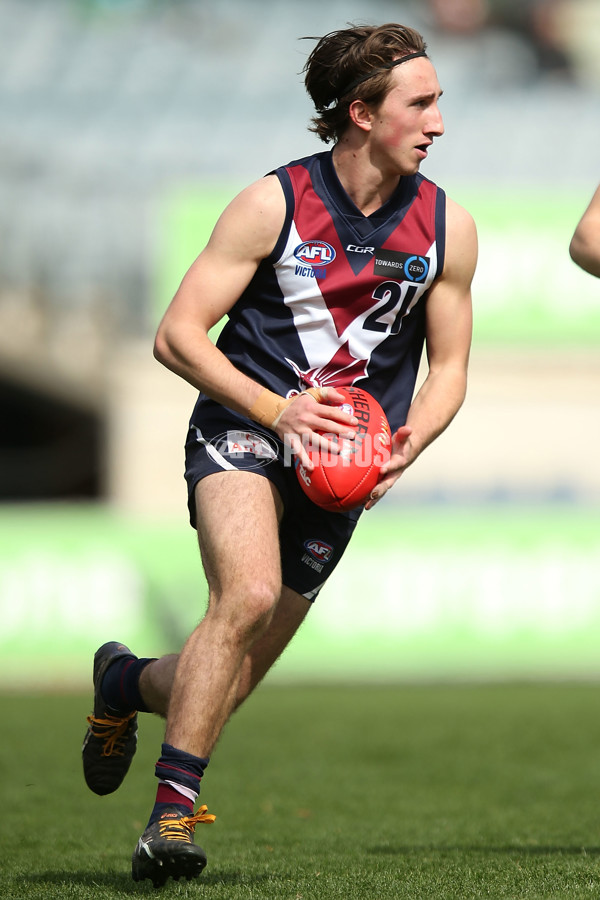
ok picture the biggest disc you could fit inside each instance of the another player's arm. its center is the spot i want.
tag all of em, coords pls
(584, 248)
(244, 235)
(448, 343)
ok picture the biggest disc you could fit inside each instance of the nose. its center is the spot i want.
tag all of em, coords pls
(436, 123)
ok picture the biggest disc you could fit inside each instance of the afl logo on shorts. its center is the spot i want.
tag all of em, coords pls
(315, 253)
(319, 549)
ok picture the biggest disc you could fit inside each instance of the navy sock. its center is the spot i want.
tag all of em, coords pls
(179, 775)
(120, 686)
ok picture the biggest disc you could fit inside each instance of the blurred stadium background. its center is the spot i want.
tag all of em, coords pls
(126, 126)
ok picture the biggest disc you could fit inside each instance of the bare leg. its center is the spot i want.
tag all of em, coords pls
(238, 533)
(289, 615)
(157, 678)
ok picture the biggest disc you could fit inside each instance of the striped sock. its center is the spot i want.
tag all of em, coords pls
(179, 775)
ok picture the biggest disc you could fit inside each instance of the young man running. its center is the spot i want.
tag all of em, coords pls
(335, 269)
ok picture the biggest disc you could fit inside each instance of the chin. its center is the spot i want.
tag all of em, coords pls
(410, 170)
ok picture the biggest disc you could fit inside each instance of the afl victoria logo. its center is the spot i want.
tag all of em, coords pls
(317, 253)
(319, 550)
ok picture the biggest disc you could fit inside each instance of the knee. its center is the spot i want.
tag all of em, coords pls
(249, 607)
(259, 601)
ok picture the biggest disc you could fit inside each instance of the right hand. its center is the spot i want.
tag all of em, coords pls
(306, 423)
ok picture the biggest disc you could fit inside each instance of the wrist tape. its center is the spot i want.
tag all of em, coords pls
(268, 407)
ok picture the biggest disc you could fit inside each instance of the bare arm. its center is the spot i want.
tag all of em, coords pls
(448, 335)
(448, 342)
(244, 235)
(585, 243)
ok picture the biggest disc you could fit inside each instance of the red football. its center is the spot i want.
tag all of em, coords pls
(344, 480)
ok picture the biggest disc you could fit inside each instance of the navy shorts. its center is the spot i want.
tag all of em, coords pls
(312, 540)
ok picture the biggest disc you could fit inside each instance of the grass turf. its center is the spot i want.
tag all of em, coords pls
(327, 792)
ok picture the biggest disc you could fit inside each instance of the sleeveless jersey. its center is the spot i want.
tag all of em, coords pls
(341, 300)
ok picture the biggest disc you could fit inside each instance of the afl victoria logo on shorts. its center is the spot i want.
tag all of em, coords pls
(319, 549)
(318, 553)
(240, 449)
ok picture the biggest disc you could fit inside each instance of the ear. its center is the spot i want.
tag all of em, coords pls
(360, 114)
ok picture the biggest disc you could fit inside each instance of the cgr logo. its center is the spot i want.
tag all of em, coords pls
(318, 253)
(319, 550)
(357, 248)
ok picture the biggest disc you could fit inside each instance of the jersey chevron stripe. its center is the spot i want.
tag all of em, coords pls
(342, 298)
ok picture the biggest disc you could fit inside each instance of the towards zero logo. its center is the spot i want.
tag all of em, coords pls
(401, 266)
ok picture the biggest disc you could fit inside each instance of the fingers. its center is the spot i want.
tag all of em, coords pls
(315, 425)
(373, 499)
(391, 470)
(379, 491)
(330, 413)
(399, 457)
(318, 393)
(327, 395)
(304, 414)
(299, 450)
(312, 447)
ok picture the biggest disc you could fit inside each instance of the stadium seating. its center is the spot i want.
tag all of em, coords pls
(106, 105)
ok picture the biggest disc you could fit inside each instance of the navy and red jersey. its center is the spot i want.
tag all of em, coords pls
(341, 300)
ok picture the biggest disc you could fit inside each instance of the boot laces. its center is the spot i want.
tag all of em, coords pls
(182, 829)
(113, 729)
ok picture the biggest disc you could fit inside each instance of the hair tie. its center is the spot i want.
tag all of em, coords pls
(395, 62)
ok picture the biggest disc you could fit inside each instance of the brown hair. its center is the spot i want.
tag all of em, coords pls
(341, 59)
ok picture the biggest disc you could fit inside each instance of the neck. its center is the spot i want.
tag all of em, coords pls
(365, 183)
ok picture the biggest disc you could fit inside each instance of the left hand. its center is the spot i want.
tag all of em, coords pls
(400, 458)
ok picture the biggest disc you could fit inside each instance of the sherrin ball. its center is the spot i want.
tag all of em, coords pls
(344, 480)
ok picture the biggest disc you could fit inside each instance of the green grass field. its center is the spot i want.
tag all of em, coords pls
(333, 792)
